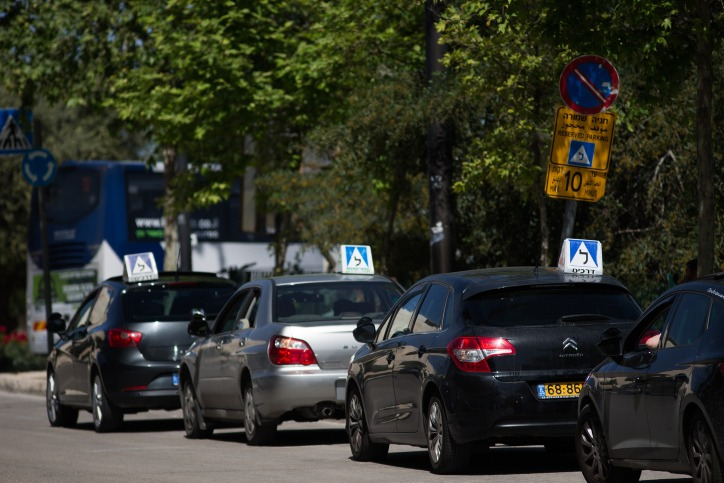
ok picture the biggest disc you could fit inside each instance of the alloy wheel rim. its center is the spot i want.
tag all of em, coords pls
(249, 413)
(189, 407)
(355, 423)
(434, 432)
(701, 453)
(97, 402)
(52, 398)
(591, 447)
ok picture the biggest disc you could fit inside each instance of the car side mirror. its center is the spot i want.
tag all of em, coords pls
(56, 323)
(365, 331)
(610, 342)
(197, 326)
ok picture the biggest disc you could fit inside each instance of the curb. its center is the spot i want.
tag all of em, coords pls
(32, 382)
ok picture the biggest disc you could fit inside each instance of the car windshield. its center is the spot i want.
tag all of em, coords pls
(174, 301)
(334, 300)
(550, 305)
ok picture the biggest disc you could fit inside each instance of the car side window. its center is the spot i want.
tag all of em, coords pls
(647, 334)
(81, 316)
(432, 310)
(689, 321)
(99, 313)
(227, 319)
(247, 315)
(400, 323)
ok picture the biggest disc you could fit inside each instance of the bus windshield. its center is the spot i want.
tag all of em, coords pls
(74, 194)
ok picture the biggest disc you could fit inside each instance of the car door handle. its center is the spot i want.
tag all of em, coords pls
(390, 357)
(421, 350)
(242, 342)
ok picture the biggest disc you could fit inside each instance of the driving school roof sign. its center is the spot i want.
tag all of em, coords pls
(589, 84)
(139, 267)
(357, 259)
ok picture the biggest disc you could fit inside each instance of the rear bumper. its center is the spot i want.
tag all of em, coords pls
(154, 386)
(486, 409)
(299, 393)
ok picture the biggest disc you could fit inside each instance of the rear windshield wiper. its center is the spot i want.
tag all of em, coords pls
(572, 319)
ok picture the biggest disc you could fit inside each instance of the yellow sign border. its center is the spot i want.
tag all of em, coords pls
(592, 128)
(591, 184)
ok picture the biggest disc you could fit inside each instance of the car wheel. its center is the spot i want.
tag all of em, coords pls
(592, 452)
(359, 441)
(106, 416)
(58, 414)
(193, 420)
(257, 433)
(446, 456)
(703, 457)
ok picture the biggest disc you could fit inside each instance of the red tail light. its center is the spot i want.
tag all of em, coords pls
(471, 354)
(123, 338)
(286, 351)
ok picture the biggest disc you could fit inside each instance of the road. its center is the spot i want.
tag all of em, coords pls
(152, 447)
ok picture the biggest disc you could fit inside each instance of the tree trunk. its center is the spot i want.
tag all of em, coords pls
(170, 229)
(705, 163)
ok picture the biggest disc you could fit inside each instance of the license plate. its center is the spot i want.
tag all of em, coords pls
(556, 390)
(174, 379)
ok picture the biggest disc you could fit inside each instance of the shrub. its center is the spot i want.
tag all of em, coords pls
(15, 354)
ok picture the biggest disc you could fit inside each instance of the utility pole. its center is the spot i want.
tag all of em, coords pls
(439, 155)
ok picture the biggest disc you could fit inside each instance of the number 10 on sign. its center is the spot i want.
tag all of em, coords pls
(573, 183)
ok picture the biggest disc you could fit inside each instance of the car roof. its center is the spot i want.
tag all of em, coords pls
(165, 277)
(328, 277)
(702, 284)
(472, 282)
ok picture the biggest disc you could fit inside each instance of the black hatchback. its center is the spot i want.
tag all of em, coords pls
(657, 402)
(121, 350)
(478, 358)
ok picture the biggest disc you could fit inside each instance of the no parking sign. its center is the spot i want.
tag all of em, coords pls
(589, 84)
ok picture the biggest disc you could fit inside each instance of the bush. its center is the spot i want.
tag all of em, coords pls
(15, 354)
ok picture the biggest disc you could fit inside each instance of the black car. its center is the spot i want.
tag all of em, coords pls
(121, 350)
(478, 358)
(656, 402)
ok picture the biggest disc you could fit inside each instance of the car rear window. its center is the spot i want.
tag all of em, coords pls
(334, 300)
(174, 301)
(550, 305)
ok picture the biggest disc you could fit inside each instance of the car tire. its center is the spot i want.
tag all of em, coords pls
(257, 433)
(703, 457)
(446, 456)
(359, 439)
(193, 419)
(58, 414)
(106, 416)
(592, 452)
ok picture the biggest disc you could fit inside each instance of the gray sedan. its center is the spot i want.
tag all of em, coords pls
(278, 350)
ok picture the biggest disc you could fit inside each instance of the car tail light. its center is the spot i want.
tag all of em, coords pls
(123, 338)
(286, 350)
(471, 354)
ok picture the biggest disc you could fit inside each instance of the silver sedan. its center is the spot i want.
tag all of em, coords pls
(278, 350)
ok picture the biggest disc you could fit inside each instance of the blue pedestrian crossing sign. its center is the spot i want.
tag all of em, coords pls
(581, 257)
(357, 259)
(138, 267)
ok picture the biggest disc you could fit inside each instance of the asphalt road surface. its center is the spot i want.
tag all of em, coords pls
(152, 447)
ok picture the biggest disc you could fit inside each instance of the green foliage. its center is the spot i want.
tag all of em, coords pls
(15, 354)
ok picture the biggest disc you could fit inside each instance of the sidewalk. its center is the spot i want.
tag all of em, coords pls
(32, 382)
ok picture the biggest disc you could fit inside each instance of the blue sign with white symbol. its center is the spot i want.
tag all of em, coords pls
(39, 167)
(590, 247)
(357, 259)
(589, 84)
(16, 131)
(138, 267)
(580, 153)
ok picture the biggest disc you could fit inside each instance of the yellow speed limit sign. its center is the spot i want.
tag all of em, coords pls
(574, 183)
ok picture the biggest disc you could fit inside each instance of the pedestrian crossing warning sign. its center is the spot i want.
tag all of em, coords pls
(357, 259)
(139, 267)
(16, 131)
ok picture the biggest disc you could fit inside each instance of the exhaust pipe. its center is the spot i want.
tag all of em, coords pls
(326, 410)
